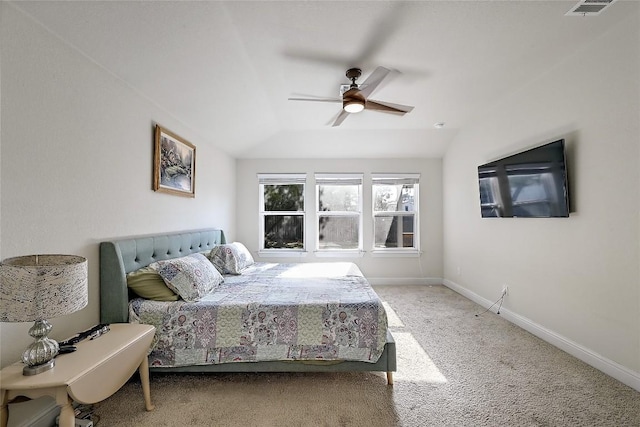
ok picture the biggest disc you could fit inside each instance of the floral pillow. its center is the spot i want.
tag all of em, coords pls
(231, 258)
(191, 277)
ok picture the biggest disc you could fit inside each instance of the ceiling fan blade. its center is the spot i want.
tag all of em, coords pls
(316, 99)
(372, 82)
(343, 115)
(382, 31)
(318, 57)
(387, 107)
(379, 34)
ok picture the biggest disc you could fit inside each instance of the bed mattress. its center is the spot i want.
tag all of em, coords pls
(305, 311)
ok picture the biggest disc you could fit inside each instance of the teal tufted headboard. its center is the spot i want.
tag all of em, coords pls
(119, 257)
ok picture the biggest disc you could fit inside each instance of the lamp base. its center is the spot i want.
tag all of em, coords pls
(39, 355)
(38, 369)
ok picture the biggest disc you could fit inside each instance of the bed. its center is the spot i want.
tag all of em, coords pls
(314, 281)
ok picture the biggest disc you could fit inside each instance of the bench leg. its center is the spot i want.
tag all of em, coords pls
(389, 378)
(4, 411)
(144, 379)
(67, 414)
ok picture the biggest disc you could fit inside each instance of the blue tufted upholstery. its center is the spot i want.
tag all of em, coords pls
(119, 257)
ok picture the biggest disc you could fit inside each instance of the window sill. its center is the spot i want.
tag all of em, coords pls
(282, 253)
(339, 254)
(396, 253)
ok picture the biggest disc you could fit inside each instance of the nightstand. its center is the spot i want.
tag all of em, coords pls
(92, 373)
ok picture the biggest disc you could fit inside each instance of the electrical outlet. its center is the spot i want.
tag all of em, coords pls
(505, 290)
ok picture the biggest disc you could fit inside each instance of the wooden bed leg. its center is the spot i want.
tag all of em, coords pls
(389, 378)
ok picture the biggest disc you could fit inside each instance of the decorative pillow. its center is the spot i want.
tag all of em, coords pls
(147, 283)
(191, 277)
(231, 258)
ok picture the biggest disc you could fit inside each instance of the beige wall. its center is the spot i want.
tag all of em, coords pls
(577, 279)
(378, 270)
(76, 166)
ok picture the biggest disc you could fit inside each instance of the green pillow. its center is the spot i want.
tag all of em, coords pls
(147, 283)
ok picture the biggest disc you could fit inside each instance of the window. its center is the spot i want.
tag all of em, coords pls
(282, 216)
(339, 212)
(395, 212)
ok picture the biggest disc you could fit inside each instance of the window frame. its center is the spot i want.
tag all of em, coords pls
(396, 179)
(281, 179)
(339, 179)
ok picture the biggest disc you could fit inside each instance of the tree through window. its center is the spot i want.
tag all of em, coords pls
(282, 216)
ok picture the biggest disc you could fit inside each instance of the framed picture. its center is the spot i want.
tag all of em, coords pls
(174, 164)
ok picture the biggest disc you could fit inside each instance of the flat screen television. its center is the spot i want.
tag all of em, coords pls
(530, 184)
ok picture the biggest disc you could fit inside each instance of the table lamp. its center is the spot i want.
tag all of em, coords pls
(37, 288)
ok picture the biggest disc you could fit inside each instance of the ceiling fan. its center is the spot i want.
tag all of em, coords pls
(355, 97)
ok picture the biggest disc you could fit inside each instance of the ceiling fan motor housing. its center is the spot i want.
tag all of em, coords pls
(353, 74)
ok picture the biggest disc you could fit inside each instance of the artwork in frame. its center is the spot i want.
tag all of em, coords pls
(174, 164)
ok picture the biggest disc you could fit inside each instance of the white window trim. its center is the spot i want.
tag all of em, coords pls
(280, 179)
(339, 179)
(339, 253)
(395, 253)
(282, 253)
(396, 179)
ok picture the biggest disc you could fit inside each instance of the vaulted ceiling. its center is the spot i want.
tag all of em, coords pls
(227, 69)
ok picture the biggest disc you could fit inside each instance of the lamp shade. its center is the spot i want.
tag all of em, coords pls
(38, 287)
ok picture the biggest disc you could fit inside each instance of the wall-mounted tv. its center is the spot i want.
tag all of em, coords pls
(530, 184)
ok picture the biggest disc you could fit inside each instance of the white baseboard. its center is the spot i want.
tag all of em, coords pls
(609, 367)
(392, 281)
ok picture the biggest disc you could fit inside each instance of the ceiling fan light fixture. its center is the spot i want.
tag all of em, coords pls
(353, 101)
(353, 105)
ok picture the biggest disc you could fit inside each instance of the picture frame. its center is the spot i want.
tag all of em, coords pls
(174, 164)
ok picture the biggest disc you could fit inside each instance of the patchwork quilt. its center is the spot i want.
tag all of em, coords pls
(305, 311)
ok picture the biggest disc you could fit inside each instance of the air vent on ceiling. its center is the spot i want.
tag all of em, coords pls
(589, 7)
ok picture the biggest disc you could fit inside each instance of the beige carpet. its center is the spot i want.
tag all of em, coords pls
(454, 369)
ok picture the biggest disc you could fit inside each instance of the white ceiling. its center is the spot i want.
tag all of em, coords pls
(226, 69)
